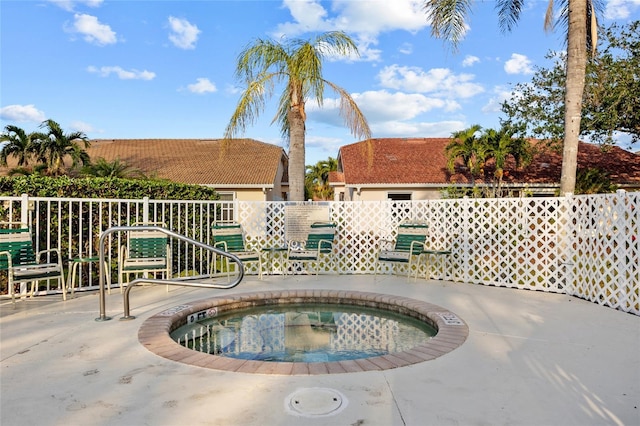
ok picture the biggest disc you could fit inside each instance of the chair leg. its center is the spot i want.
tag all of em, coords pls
(122, 275)
(71, 280)
(427, 273)
(12, 291)
(107, 273)
(34, 285)
(168, 275)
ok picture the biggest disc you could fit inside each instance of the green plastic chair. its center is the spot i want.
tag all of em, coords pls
(22, 263)
(407, 248)
(230, 238)
(318, 245)
(145, 251)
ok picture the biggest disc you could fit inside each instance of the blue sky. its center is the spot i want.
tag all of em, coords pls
(165, 69)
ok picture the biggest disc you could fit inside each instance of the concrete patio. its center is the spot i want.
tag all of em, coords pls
(531, 358)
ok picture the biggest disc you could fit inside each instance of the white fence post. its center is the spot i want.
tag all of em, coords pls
(145, 210)
(24, 212)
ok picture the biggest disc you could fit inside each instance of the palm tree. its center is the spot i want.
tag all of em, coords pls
(465, 144)
(55, 145)
(594, 181)
(500, 145)
(18, 145)
(312, 178)
(448, 21)
(112, 169)
(298, 65)
(317, 179)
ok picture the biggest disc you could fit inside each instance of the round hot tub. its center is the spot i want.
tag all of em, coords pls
(212, 338)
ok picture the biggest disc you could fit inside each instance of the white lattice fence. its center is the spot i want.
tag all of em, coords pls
(587, 246)
(606, 261)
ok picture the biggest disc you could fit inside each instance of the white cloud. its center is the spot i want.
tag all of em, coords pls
(202, 85)
(183, 33)
(81, 126)
(494, 104)
(620, 9)
(439, 81)
(518, 64)
(406, 49)
(378, 16)
(309, 15)
(470, 60)
(232, 89)
(436, 129)
(389, 115)
(364, 21)
(93, 31)
(122, 73)
(366, 51)
(22, 113)
(381, 106)
(68, 5)
(326, 144)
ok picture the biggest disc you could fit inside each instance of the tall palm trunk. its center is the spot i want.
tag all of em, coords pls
(574, 88)
(296, 154)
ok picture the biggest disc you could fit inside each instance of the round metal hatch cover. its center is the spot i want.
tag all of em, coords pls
(315, 402)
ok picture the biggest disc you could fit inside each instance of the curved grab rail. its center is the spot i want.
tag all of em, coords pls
(170, 233)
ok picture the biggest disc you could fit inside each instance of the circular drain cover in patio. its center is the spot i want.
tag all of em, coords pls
(315, 402)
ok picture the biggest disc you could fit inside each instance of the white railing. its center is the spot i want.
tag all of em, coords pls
(585, 246)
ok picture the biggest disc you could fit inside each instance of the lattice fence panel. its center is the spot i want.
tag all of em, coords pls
(361, 226)
(543, 234)
(607, 250)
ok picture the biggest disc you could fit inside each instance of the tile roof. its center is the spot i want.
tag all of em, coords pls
(196, 161)
(423, 161)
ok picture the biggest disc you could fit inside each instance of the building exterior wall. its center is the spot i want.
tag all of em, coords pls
(379, 194)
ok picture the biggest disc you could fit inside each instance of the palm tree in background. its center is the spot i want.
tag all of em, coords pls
(297, 64)
(448, 21)
(466, 145)
(594, 181)
(317, 179)
(111, 169)
(54, 145)
(500, 145)
(18, 145)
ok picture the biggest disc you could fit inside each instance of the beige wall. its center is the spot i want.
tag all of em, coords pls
(379, 194)
(244, 194)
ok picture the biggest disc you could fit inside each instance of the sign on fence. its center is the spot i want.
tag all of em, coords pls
(298, 220)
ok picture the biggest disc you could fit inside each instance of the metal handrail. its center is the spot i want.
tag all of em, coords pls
(184, 282)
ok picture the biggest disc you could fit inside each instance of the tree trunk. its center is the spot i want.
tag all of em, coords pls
(296, 155)
(574, 88)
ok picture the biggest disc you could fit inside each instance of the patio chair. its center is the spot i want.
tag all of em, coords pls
(144, 252)
(407, 248)
(230, 238)
(318, 245)
(22, 263)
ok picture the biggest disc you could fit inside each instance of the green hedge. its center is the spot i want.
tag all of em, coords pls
(64, 186)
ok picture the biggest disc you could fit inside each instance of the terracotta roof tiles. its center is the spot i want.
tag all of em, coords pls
(196, 161)
(392, 161)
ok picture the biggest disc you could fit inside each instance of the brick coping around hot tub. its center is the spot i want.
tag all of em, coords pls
(154, 334)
